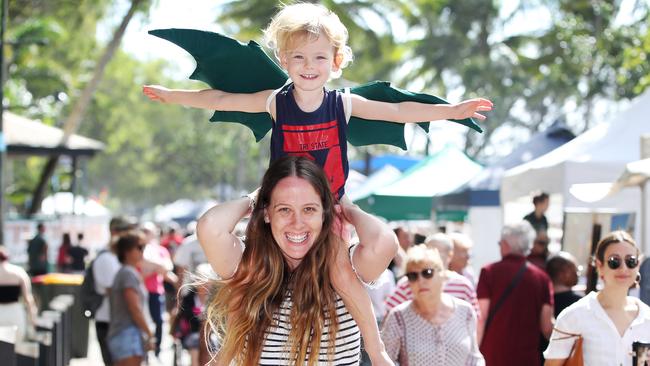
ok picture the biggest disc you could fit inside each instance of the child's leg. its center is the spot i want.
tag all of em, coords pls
(358, 303)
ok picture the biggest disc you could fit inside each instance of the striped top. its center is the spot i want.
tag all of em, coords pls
(347, 346)
(456, 285)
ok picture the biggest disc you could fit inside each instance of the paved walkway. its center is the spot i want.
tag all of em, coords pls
(95, 357)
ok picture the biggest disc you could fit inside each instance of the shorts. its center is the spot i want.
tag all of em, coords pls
(191, 341)
(127, 343)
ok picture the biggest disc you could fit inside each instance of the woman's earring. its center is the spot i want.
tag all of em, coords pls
(266, 219)
(638, 278)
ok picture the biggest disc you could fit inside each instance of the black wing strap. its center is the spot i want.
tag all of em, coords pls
(504, 295)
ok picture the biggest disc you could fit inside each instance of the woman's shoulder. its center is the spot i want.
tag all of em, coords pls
(402, 308)
(127, 272)
(458, 303)
(13, 274)
(644, 310)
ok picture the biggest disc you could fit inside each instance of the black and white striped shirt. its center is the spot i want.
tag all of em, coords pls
(347, 345)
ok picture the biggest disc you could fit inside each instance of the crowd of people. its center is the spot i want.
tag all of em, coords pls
(142, 276)
(430, 306)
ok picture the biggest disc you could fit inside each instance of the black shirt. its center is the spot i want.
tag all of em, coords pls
(78, 254)
(539, 224)
(564, 299)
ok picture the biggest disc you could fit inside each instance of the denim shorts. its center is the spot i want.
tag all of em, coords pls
(127, 343)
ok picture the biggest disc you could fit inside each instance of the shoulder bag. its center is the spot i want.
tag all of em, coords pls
(504, 296)
(403, 358)
(575, 357)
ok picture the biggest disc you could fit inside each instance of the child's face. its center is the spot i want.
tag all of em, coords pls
(310, 62)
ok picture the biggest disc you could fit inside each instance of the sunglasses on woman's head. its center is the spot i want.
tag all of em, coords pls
(614, 261)
(426, 273)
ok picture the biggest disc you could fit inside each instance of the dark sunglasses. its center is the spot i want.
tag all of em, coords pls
(614, 262)
(426, 274)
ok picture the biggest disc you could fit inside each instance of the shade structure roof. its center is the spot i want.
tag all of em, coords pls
(598, 155)
(24, 136)
(401, 162)
(483, 190)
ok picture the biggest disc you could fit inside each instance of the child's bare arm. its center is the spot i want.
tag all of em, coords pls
(406, 112)
(209, 98)
(358, 303)
(377, 242)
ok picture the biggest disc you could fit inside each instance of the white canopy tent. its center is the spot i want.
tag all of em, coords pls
(636, 174)
(598, 155)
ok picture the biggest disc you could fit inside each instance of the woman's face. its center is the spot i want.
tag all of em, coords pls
(622, 276)
(295, 214)
(423, 286)
(135, 254)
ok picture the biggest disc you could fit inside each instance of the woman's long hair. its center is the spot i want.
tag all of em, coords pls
(243, 306)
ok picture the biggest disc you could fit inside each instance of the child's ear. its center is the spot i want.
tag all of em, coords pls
(284, 60)
(338, 60)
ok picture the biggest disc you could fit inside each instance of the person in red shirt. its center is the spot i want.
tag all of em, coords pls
(511, 325)
(171, 241)
(63, 260)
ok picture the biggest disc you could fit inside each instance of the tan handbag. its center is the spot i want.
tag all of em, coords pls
(575, 357)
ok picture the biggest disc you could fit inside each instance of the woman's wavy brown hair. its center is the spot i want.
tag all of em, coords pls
(243, 306)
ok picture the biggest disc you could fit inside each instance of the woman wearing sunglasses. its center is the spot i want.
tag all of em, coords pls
(608, 321)
(434, 328)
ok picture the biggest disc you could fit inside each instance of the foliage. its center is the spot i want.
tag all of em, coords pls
(154, 153)
(580, 57)
(51, 44)
(157, 153)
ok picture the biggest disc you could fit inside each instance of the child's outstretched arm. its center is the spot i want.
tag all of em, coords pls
(406, 112)
(210, 99)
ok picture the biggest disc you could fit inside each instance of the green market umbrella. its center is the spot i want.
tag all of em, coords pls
(231, 66)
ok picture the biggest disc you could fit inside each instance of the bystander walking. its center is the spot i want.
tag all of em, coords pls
(434, 328)
(37, 252)
(14, 285)
(78, 255)
(516, 302)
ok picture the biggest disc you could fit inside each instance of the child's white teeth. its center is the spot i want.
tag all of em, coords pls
(297, 238)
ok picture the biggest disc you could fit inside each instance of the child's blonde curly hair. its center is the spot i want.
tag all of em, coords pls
(300, 20)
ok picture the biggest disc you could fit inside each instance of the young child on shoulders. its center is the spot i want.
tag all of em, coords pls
(310, 43)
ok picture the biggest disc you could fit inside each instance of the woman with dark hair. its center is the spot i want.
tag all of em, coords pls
(609, 320)
(129, 336)
(278, 301)
(63, 260)
(14, 284)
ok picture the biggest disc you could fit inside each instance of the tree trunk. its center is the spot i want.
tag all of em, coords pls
(71, 124)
